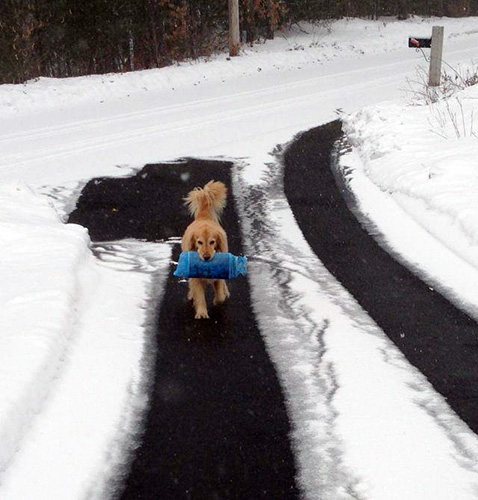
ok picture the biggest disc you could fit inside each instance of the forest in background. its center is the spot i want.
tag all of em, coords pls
(62, 38)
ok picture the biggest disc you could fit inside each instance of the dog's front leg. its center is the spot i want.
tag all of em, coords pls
(221, 293)
(197, 295)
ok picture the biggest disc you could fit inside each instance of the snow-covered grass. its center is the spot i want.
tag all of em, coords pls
(74, 316)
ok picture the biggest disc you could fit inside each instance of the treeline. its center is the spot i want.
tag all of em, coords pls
(60, 38)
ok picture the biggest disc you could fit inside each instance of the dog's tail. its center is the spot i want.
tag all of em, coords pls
(207, 202)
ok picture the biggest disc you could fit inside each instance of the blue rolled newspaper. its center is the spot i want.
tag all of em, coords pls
(223, 265)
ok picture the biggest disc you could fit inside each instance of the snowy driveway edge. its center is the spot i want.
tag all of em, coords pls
(347, 446)
(74, 351)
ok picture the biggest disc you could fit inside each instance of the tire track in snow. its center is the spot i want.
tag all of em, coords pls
(295, 339)
(437, 338)
(335, 364)
(216, 425)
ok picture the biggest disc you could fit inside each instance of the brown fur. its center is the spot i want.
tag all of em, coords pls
(206, 236)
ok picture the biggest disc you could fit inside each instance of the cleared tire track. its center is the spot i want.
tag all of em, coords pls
(436, 337)
(217, 425)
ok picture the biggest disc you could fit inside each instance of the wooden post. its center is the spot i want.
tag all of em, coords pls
(436, 56)
(234, 36)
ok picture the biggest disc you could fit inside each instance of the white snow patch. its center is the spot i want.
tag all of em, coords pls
(400, 160)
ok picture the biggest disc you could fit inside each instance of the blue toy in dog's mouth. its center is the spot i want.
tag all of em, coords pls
(223, 265)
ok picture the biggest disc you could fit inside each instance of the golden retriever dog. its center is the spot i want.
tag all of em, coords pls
(206, 236)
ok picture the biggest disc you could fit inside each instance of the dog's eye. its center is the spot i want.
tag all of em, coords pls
(199, 242)
(212, 242)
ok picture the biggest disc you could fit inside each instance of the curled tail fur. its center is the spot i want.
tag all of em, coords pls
(207, 202)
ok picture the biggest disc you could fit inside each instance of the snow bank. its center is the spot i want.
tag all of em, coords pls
(80, 442)
(414, 176)
(295, 48)
(74, 354)
(425, 157)
(40, 266)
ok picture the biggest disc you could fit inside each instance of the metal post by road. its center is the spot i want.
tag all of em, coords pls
(436, 56)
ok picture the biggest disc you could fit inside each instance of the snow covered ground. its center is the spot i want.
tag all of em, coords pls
(423, 159)
(74, 317)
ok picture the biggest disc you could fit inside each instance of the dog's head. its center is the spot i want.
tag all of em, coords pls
(207, 239)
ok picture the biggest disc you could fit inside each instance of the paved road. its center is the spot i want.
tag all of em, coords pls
(436, 337)
(217, 427)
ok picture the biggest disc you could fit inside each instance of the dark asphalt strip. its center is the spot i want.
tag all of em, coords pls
(436, 337)
(217, 427)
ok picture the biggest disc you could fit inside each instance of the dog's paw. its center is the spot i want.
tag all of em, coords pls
(221, 294)
(201, 314)
(219, 299)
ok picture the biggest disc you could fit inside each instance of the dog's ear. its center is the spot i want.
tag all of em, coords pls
(188, 242)
(221, 242)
